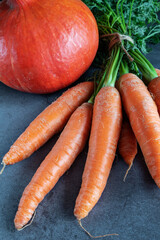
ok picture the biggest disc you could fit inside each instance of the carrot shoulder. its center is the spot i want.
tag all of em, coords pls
(49, 122)
(105, 130)
(154, 88)
(144, 119)
(58, 161)
(158, 71)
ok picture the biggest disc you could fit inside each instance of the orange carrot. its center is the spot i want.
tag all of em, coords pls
(144, 119)
(158, 72)
(49, 122)
(58, 161)
(127, 145)
(154, 88)
(105, 130)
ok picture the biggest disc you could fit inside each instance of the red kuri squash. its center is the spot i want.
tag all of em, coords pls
(45, 45)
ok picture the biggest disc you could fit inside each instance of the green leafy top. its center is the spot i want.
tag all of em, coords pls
(138, 19)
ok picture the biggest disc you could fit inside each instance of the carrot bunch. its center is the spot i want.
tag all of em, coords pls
(72, 106)
(105, 131)
(102, 114)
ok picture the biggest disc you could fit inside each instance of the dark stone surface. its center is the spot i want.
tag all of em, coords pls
(130, 209)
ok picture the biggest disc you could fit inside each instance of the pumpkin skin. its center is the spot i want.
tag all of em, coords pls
(45, 45)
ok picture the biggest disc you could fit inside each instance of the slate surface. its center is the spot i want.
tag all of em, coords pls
(131, 209)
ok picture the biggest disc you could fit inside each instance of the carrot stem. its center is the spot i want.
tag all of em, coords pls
(122, 16)
(91, 100)
(130, 17)
(100, 85)
(114, 64)
(122, 23)
(144, 65)
(110, 73)
(123, 68)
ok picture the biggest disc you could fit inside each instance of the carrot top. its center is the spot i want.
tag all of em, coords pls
(146, 68)
(109, 75)
(134, 21)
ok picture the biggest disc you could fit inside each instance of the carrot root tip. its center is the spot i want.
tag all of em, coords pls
(91, 236)
(28, 224)
(124, 179)
(4, 165)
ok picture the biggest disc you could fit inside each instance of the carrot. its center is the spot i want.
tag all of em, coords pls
(105, 130)
(70, 143)
(127, 145)
(154, 88)
(49, 122)
(144, 120)
(158, 72)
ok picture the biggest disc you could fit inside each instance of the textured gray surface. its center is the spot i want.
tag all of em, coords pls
(130, 209)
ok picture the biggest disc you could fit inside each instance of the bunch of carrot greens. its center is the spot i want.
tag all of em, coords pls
(124, 31)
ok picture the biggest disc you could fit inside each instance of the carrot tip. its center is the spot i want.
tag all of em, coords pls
(4, 165)
(30, 222)
(101, 236)
(124, 179)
